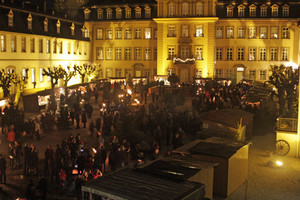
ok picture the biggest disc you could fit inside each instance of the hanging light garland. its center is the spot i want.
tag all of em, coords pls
(183, 61)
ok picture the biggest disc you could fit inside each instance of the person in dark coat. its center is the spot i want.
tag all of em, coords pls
(30, 191)
(26, 151)
(2, 169)
(83, 119)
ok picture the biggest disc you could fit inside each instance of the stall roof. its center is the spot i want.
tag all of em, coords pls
(227, 117)
(177, 168)
(134, 184)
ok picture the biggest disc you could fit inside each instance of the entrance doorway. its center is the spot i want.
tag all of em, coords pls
(184, 76)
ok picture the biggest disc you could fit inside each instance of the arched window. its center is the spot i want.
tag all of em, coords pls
(118, 13)
(172, 10)
(10, 18)
(185, 9)
(199, 9)
(29, 22)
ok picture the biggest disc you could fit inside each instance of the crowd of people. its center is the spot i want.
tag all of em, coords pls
(124, 134)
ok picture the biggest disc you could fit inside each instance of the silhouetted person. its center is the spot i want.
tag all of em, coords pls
(2, 169)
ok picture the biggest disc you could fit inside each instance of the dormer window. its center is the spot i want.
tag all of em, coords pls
(185, 9)
(10, 18)
(199, 9)
(118, 13)
(138, 12)
(230, 11)
(85, 32)
(87, 14)
(252, 11)
(263, 10)
(241, 10)
(58, 27)
(285, 10)
(109, 13)
(127, 13)
(172, 10)
(275, 10)
(99, 14)
(46, 24)
(147, 12)
(29, 22)
(72, 29)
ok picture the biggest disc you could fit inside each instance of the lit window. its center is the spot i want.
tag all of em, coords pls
(109, 73)
(241, 32)
(198, 73)
(252, 54)
(33, 75)
(118, 52)
(229, 53)
(252, 32)
(118, 13)
(218, 73)
(285, 33)
(23, 44)
(109, 34)
(127, 33)
(72, 27)
(274, 54)
(147, 33)
(109, 13)
(172, 10)
(275, 10)
(252, 11)
(3, 43)
(109, 55)
(147, 54)
(41, 46)
(138, 33)
(199, 9)
(219, 32)
(87, 14)
(138, 12)
(99, 14)
(229, 32)
(171, 53)
(137, 54)
(118, 33)
(32, 45)
(284, 54)
(252, 74)
(147, 12)
(10, 18)
(240, 54)
(24, 74)
(185, 52)
(263, 10)
(41, 75)
(262, 75)
(29, 22)
(127, 13)
(263, 32)
(262, 54)
(13, 44)
(171, 31)
(185, 9)
(199, 31)
(127, 53)
(219, 53)
(99, 51)
(48, 46)
(46, 25)
(199, 53)
(230, 11)
(241, 10)
(185, 31)
(274, 32)
(118, 72)
(285, 10)
(99, 34)
(58, 27)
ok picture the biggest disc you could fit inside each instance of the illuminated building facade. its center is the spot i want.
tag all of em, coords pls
(193, 38)
(33, 40)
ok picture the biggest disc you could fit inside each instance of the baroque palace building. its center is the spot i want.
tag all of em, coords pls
(230, 39)
(193, 38)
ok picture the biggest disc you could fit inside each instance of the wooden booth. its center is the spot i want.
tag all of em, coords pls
(134, 184)
(232, 157)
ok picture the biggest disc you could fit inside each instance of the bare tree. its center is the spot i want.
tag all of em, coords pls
(6, 80)
(67, 76)
(85, 71)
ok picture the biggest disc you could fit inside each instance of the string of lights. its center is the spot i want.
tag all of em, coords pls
(183, 61)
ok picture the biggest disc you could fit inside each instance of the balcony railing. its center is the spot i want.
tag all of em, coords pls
(185, 40)
(287, 124)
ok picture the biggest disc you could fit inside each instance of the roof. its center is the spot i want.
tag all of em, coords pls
(134, 184)
(20, 23)
(227, 117)
(177, 168)
(119, 2)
